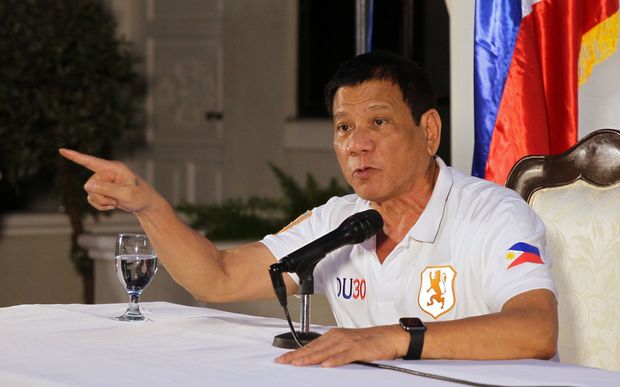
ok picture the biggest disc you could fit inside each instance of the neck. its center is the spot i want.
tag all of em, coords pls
(401, 213)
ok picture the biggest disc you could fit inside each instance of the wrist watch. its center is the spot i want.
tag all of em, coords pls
(416, 329)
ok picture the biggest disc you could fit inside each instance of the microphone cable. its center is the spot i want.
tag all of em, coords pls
(290, 325)
(414, 372)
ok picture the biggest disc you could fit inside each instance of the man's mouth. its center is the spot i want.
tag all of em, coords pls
(363, 172)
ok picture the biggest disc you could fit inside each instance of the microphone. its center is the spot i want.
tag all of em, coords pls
(354, 229)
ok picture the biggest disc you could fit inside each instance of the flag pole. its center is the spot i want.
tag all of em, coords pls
(361, 26)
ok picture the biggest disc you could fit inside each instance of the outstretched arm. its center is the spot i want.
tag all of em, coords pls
(191, 259)
(527, 327)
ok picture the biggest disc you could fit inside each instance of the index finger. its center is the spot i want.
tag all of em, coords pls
(93, 163)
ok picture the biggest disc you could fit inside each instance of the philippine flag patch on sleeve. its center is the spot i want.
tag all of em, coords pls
(522, 252)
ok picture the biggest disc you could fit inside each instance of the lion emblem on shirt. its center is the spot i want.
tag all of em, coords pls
(436, 295)
(438, 286)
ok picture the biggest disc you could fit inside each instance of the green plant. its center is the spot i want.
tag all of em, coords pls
(66, 80)
(256, 216)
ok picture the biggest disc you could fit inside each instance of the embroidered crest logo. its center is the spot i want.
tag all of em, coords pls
(436, 296)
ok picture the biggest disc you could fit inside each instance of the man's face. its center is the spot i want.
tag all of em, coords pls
(383, 154)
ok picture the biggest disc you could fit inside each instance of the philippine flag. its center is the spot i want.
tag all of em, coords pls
(530, 56)
(522, 252)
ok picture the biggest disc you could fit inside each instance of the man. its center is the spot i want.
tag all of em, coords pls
(465, 255)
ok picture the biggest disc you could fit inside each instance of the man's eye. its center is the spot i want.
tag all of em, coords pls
(380, 121)
(343, 127)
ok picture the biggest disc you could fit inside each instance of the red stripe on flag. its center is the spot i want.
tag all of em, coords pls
(596, 12)
(538, 113)
(526, 257)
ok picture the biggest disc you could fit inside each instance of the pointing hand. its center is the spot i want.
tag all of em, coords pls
(113, 184)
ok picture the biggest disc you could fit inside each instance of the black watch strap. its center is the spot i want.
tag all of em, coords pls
(416, 328)
(416, 342)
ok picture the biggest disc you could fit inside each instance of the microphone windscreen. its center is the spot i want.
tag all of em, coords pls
(363, 225)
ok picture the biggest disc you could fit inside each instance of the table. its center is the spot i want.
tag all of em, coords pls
(81, 345)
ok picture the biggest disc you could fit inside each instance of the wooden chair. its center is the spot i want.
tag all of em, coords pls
(577, 195)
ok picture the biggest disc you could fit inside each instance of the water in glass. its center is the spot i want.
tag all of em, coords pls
(135, 265)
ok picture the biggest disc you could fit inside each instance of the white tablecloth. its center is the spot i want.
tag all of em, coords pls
(81, 345)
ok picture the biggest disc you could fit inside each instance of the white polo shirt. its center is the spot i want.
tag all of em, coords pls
(475, 246)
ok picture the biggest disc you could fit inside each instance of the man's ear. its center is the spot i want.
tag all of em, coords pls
(431, 123)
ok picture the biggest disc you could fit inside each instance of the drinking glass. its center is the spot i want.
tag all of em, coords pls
(135, 263)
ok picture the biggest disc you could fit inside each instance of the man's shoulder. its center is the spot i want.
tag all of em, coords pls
(484, 190)
(484, 201)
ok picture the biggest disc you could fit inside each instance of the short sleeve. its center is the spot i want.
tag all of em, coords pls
(308, 227)
(514, 253)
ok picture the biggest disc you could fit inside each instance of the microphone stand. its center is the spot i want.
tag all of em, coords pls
(306, 289)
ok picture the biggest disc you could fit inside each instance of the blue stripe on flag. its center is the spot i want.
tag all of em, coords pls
(495, 34)
(526, 248)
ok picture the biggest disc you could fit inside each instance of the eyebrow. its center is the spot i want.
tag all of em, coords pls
(339, 114)
(374, 107)
(379, 107)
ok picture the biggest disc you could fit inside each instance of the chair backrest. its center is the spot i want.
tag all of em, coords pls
(577, 195)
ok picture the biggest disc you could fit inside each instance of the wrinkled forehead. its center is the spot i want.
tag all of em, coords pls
(373, 94)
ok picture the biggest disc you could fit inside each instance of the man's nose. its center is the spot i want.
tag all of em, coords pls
(361, 140)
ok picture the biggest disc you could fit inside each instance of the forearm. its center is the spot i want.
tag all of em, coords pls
(514, 333)
(209, 274)
(180, 248)
(488, 337)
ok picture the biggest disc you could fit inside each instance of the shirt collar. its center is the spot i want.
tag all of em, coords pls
(427, 226)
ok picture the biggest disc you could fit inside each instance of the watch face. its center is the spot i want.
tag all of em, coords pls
(412, 323)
